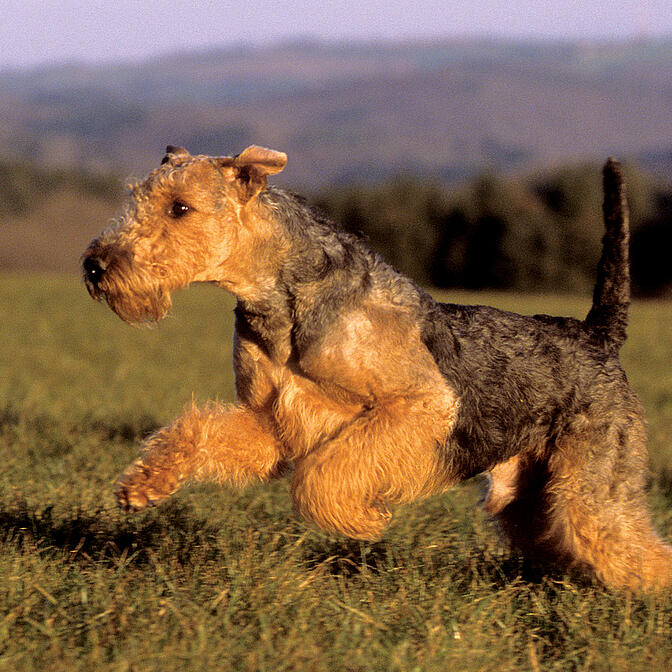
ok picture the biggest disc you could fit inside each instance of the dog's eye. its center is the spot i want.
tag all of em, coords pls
(178, 209)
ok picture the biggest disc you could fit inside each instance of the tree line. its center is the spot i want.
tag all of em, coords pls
(535, 233)
(540, 233)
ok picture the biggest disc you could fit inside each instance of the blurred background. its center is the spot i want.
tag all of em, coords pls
(465, 140)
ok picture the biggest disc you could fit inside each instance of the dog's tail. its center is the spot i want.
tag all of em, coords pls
(608, 316)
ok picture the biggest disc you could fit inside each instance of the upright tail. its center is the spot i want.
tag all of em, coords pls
(608, 317)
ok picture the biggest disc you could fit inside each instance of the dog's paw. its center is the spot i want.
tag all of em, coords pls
(141, 487)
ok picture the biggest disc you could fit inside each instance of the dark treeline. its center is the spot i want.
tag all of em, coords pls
(539, 233)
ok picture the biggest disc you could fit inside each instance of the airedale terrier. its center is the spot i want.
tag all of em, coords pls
(372, 391)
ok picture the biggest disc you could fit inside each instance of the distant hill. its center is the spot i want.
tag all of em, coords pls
(355, 112)
(47, 217)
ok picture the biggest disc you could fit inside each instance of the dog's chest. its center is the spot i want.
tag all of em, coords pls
(308, 412)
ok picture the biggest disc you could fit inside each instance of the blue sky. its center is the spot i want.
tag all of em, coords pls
(34, 32)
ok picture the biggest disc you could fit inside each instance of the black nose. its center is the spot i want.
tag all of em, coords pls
(93, 270)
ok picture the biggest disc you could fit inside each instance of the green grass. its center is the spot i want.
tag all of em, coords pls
(223, 580)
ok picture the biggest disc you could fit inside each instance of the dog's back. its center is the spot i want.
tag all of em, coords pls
(519, 376)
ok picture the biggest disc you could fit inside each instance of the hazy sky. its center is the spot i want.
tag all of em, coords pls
(34, 32)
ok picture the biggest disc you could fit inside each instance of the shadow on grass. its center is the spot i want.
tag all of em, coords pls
(104, 537)
(177, 533)
(110, 428)
(464, 568)
(120, 430)
(346, 557)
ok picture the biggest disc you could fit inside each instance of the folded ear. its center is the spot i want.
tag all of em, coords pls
(253, 165)
(173, 153)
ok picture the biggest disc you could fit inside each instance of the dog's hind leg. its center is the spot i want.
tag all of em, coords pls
(584, 506)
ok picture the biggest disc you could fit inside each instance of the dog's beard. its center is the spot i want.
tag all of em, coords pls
(137, 297)
(139, 308)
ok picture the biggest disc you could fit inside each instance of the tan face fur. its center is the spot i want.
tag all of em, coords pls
(186, 222)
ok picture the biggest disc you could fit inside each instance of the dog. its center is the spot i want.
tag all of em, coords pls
(370, 392)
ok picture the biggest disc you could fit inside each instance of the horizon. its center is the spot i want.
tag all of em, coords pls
(36, 34)
(307, 42)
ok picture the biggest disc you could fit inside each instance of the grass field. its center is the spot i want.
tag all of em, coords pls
(223, 580)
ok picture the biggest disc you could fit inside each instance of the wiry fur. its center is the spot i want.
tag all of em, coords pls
(372, 391)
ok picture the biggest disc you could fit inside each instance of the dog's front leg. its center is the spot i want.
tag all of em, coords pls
(223, 443)
(392, 453)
